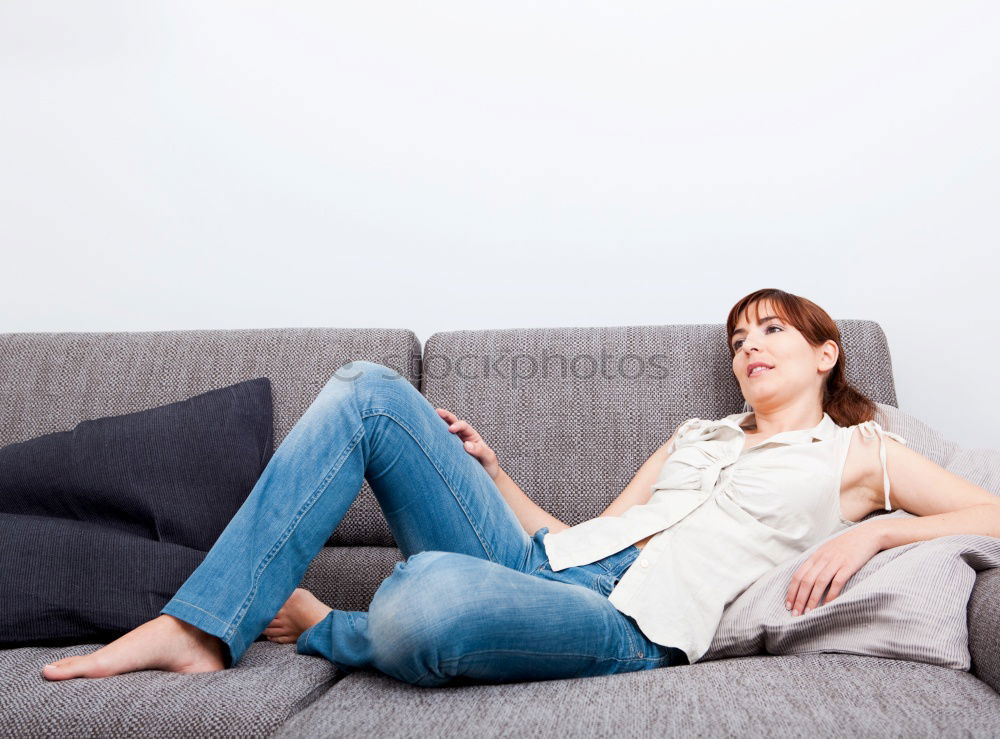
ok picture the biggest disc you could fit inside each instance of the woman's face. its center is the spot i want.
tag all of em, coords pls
(796, 367)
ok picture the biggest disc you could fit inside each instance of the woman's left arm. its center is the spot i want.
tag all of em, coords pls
(944, 504)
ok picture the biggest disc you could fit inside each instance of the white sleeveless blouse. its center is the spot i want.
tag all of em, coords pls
(722, 518)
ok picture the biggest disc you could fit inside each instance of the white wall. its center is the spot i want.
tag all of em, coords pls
(444, 165)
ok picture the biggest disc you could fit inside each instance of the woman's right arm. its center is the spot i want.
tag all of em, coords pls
(528, 512)
(531, 516)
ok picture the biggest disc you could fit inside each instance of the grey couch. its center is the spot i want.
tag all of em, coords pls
(572, 414)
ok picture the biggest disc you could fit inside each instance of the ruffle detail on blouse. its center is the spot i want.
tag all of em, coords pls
(682, 431)
(697, 457)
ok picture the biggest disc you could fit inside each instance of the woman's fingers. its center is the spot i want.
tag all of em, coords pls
(803, 580)
(448, 417)
(471, 439)
(472, 442)
(467, 433)
(463, 429)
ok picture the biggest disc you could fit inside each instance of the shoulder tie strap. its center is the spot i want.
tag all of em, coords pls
(869, 429)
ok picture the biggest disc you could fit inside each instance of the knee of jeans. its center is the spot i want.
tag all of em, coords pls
(363, 377)
(412, 617)
(426, 589)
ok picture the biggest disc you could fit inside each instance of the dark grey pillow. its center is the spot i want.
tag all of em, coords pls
(99, 526)
(73, 582)
(176, 473)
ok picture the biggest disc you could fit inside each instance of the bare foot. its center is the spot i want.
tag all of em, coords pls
(301, 610)
(163, 643)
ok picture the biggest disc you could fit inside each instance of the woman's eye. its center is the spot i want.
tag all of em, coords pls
(736, 344)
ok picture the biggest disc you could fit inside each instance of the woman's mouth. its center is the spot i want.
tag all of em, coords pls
(759, 371)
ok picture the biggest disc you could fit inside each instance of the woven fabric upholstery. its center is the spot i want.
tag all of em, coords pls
(573, 439)
(824, 695)
(52, 381)
(984, 625)
(347, 577)
(269, 684)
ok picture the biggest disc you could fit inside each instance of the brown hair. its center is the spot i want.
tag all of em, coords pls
(846, 405)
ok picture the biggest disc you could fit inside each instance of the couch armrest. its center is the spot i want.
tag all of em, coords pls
(984, 625)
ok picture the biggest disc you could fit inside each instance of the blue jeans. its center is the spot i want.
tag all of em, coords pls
(475, 600)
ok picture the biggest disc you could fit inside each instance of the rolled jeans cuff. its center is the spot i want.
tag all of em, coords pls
(339, 638)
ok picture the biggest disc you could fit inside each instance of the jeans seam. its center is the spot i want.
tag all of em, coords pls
(276, 548)
(197, 608)
(601, 658)
(303, 639)
(631, 626)
(387, 413)
(547, 654)
(616, 562)
(600, 563)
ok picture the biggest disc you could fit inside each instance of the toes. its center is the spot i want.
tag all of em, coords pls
(51, 671)
(61, 669)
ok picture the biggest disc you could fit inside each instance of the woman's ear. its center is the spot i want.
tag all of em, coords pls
(829, 354)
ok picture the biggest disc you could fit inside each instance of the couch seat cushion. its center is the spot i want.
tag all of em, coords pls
(269, 684)
(814, 695)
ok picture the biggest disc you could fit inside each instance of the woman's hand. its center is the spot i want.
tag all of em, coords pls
(832, 564)
(474, 443)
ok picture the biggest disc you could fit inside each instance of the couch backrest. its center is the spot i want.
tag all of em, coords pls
(52, 381)
(571, 438)
(574, 412)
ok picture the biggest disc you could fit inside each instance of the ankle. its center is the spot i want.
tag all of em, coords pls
(184, 626)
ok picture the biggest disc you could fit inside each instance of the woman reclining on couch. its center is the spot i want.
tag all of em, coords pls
(494, 589)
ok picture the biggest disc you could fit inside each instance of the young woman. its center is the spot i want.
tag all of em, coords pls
(494, 589)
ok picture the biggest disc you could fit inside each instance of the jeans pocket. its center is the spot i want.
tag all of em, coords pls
(616, 564)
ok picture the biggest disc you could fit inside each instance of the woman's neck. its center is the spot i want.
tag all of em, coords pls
(789, 419)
